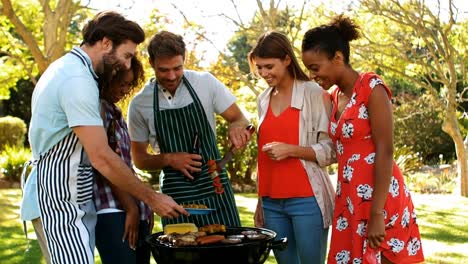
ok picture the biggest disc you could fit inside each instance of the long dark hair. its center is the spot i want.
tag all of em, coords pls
(332, 37)
(273, 44)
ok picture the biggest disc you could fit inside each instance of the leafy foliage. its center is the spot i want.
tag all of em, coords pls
(243, 165)
(407, 160)
(428, 182)
(16, 59)
(422, 115)
(33, 34)
(19, 104)
(12, 161)
(425, 44)
(12, 132)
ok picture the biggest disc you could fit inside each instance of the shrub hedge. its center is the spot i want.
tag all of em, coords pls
(12, 160)
(12, 132)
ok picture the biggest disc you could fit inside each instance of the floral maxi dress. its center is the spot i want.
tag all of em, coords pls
(355, 150)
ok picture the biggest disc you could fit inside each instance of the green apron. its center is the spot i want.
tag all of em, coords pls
(175, 129)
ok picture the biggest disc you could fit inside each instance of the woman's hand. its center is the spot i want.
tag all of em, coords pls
(258, 216)
(132, 220)
(376, 230)
(277, 150)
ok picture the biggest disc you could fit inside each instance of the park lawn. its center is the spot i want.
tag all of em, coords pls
(442, 220)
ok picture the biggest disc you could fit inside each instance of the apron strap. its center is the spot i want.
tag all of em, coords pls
(23, 172)
(205, 127)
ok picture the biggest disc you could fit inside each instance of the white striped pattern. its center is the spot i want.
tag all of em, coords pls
(175, 129)
(65, 202)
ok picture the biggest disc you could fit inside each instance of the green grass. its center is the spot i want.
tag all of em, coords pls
(442, 220)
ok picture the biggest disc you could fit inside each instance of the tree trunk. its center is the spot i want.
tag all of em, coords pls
(462, 169)
(451, 127)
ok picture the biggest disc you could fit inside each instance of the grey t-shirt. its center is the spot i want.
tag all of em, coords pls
(214, 96)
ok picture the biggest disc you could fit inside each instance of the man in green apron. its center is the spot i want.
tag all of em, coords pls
(167, 114)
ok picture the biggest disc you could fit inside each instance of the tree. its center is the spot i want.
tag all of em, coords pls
(33, 35)
(288, 18)
(232, 68)
(426, 45)
(19, 104)
(421, 114)
(244, 163)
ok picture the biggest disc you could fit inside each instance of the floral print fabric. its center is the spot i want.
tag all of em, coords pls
(355, 149)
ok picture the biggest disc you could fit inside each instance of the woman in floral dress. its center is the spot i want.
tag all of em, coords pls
(374, 216)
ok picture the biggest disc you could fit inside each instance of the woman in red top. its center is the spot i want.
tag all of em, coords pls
(374, 218)
(295, 192)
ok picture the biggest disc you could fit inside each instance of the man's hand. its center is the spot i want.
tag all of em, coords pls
(164, 206)
(132, 220)
(185, 162)
(239, 136)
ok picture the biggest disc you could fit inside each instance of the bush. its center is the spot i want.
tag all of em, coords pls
(418, 126)
(12, 132)
(12, 160)
(407, 160)
(243, 165)
(19, 103)
(431, 182)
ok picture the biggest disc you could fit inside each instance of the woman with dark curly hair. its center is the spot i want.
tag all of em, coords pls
(374, 218)
(122, 222)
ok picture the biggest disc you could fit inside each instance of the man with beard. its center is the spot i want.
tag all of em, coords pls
(68, 140)
(168, 114)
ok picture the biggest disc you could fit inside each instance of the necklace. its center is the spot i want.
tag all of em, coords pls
(275, 91)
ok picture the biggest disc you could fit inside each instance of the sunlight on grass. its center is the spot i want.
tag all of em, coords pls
(14, 246)
(444, 227)
(442, 220)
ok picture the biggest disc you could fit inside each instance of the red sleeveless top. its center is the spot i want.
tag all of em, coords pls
(286, 178)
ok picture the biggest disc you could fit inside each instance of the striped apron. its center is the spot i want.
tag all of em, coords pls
(65, 181)
(65, 195)
(175, 129)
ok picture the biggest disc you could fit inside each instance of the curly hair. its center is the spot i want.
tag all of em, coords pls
(332, 37)
(138, 79)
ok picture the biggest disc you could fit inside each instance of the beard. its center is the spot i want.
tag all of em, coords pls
(107, 71)
(109, 67)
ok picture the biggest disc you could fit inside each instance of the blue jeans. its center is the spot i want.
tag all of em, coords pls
(109, 232)
(300, 220)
